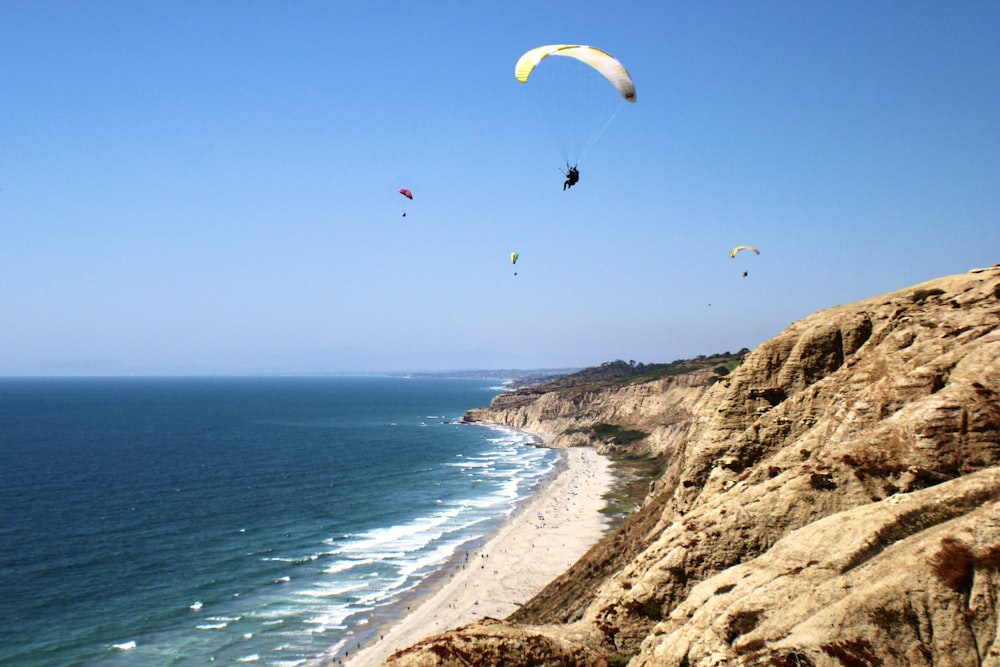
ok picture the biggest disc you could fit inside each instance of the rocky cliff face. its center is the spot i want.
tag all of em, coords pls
(660, 407)
(834, 501)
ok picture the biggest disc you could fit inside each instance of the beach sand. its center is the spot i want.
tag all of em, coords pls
(550, 532)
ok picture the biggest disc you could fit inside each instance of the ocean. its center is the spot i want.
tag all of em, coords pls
(194, 521)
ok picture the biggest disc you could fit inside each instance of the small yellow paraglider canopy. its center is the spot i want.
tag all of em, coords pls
(732, 253)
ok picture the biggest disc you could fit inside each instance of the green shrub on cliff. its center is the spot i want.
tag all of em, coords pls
(611, 434)
(634, 474)
(617, 435)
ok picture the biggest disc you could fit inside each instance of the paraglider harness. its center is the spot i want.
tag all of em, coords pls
(572, 176)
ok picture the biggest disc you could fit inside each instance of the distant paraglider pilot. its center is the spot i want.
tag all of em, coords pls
(572, 176)
(735, 251)
(406, 193)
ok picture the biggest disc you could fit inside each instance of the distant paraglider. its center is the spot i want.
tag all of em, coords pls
(406, 193)
(513, 260)
(740, 248)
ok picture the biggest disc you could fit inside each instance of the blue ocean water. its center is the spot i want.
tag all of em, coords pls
(243, 520)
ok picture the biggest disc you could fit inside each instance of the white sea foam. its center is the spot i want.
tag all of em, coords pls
(400, 539)
(507, 493)
(124, 646)
(389, 588)
(379, 537)
(211, 626)
(334, 617)
(431, 559)
(292, 559)
(468, 464)
(253, 657)
(336, 648)
(328, 590)
(344, 565)
(364, 571)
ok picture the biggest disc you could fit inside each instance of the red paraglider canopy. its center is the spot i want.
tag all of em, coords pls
(406, 193)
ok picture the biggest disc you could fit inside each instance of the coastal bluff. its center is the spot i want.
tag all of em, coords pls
(832, 501)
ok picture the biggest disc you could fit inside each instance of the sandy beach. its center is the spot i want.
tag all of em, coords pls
(547, 535)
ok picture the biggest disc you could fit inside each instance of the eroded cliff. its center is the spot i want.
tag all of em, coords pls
(834, 501)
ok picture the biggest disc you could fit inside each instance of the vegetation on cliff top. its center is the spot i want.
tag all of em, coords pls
(623, 372)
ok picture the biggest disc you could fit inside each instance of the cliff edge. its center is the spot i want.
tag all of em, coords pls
(835, 500)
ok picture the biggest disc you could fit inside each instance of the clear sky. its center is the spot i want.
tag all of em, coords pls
(211, 187)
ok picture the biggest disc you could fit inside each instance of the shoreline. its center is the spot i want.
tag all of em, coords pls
(499, 572)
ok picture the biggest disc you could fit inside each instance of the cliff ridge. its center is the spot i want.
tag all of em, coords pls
(832, 501)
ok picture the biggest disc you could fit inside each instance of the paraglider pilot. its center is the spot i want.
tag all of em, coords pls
(572, 176)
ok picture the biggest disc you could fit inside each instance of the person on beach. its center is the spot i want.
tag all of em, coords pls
(572, 176)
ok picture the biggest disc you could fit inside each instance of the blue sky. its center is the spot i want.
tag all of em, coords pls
(211, 188)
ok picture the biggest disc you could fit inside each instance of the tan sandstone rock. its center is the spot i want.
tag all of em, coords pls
(833, 501)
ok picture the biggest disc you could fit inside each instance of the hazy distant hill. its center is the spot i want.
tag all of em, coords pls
(512, 377)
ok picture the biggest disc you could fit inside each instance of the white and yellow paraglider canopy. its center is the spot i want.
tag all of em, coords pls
(602, 61)
(732, 253)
